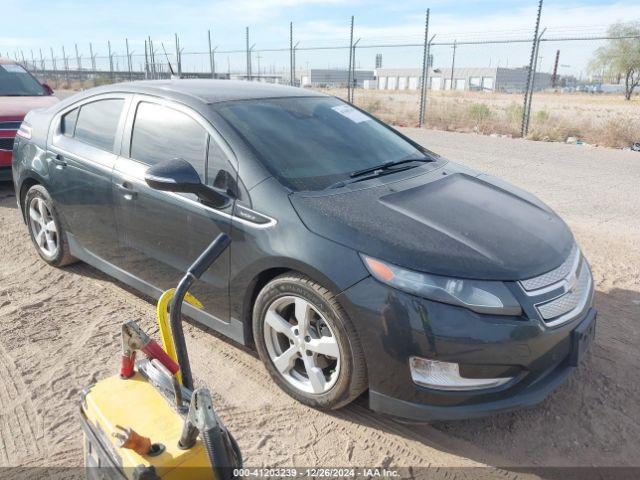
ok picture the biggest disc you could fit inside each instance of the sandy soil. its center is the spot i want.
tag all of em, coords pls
(59, 332)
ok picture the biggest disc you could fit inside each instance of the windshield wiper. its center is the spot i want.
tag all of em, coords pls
(388, 165)
(375, 174)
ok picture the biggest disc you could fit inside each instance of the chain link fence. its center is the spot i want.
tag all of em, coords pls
(536, 84)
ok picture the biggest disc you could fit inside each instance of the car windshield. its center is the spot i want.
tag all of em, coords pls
(310, 143)
(15, 81)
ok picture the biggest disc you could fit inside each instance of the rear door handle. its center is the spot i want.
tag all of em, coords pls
(127, 190)
(58, 160)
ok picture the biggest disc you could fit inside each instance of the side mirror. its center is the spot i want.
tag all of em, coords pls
(179, 176)
(47, 88)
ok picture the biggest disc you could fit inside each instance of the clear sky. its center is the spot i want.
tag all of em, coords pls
(34, 24)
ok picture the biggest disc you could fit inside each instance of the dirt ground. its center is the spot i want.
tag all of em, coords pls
(59, 332)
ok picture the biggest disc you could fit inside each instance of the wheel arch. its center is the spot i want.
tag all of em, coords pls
(26, 184)
(264, 276)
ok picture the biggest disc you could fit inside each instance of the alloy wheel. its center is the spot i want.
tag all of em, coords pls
(302, 345)
(43, 227)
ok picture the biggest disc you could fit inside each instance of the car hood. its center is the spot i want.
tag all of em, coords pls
(19, 106)
(446, 223)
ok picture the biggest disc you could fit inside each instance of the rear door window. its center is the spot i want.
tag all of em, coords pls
(97, 123)
(162, 133)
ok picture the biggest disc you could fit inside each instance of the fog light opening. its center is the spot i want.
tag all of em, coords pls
(446, 376)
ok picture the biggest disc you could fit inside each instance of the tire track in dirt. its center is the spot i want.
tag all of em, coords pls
(20, 425)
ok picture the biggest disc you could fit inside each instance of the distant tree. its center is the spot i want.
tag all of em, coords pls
(621, 56)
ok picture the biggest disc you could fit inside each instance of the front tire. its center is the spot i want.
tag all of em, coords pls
(45, 228)
(307, 342)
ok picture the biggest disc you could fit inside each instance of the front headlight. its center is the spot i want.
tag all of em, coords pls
(477, 295)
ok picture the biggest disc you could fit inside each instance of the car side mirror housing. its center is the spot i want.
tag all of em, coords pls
(47, 88)
(179, 176)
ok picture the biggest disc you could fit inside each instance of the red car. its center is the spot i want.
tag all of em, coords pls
(19, 92)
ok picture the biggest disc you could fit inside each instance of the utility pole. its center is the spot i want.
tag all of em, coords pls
(425, 70)
(453, 63)
(350, 61)
(524, 130)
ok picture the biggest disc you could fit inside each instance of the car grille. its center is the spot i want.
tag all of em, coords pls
(573, 301)
(571, 282)
(554, 276)
(6, 143)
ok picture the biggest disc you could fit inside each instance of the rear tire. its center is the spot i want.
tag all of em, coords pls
(319, 360)
(45, 228)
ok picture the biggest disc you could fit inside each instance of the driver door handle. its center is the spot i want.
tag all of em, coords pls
(127, 190)
(58, 160)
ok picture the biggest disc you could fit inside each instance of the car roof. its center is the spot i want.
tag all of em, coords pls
(209, 91)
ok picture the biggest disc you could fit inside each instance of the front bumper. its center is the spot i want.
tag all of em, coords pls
(393, 326)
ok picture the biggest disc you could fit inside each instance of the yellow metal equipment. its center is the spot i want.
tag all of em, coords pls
(148, 423)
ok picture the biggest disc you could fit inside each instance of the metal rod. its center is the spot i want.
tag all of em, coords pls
(248, 55)
(93, 57)
(525, 121)
(425, 68)
(350, 60)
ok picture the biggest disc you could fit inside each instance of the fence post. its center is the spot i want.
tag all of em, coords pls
(78, 59)
(65, 59)
(354, 78)
(533, 80)
(524, 130)
(110, 60)
(126, 41)
(178, 56)
(291, 66)
(211, 59)
(249, 76)
(42, 65)
(350, 60)
(425, 68)
(93, 57)
(453, 63)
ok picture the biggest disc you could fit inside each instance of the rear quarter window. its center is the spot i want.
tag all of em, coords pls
(97, 123)
(68, 122)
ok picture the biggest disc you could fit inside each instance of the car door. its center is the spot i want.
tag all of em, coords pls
(162, 233)
(82, 151)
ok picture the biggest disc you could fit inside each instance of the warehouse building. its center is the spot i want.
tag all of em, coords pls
(319, 77)
(479, 79)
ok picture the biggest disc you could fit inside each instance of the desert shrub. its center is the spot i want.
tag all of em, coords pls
(479, 113)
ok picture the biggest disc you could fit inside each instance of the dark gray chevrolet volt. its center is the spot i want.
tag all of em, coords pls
(359, 259)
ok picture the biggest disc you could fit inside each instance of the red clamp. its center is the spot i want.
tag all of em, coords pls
(133, 338)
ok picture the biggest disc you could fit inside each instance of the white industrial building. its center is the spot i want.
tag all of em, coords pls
(486, 79)
(327, 77)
